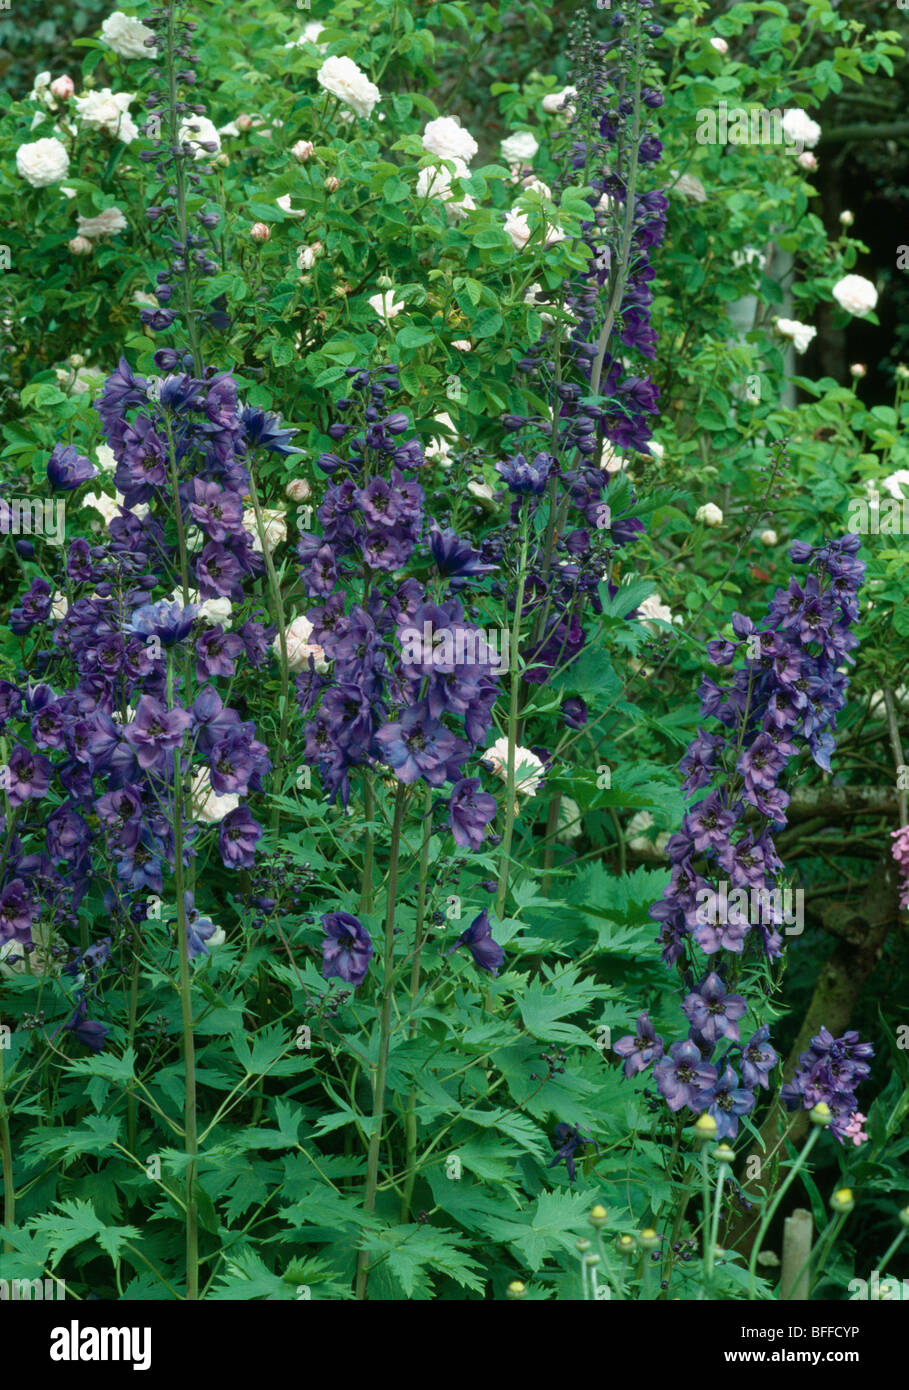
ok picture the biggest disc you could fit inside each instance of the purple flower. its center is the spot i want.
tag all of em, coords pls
(642, 1048)
(90, 1033)
(155, 729)
(728, 1100)
(523, 477)
(29, 775)
(216, 653)
(17, 912)
(419, 746)
(713, 1012)
(238, 835)
(68, 469)
(683, 1076)
(566, 1141)
(469, 812)
(758, 1059)
(487, 954)
(347, 948)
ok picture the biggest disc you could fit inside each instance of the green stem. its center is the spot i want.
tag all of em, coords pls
(189, 1050)
(378, 1105)
(512, 727)
(410, 1120)
(775, 1202)
(6, 1157)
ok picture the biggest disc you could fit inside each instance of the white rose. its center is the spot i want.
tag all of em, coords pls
(896, 482)
(345, 80)
(385, 305)
(284, 204)
(205, 802)
(808, 161)
(126, 36)
(436, 183)
(653, 610)
(298, 489)
(41, 91)
(59, 605)
(768, 537)
(801, 334)
(274, 525)
(534, 185)
(303, 150)
(847, 218)
(105, 224)
(557, 101)
(719, 44)
(462, 344)
(799, 128)
(109, 507)
(214, 611)
(299, 647)
(519, 148)
(518, 228)
(448, 139)
(570, 827)
(310, 34)
(482, 491)
(308, 255)
(528, 768)
(656, 449)
(43, 162)
(106, 458)
(80, 246)
(709, 514)
(196, 129)
(856, 294)
(108, 111)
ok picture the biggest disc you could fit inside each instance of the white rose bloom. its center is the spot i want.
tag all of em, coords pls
(59, 605)
(533, 296)
(534, 185)
(801, 334)
(106, 458)
(126, 36)
(556, 101)
(653, 610)
(436, 183)
(275, 526)
(41, 91)
(519, 148)
(214, 611)
(298, 489)
(483, 492)
(709, 514)
(768, 537)
(808, 161)
(719, 44)
(345, 80)
(109, 507)
(105, 224)
(897, 484)
(439, 446)
(385, 305)
(518, 228)
(197, 128)
(528, 768)
(688, 186)
(311, 34)
(446, 138)
(800, 129)
(108, 111)
(43, 162)
(143, 300)
(656, 449)
(308, 255)
(299, 647)
(610, 461)
(284, 204)
(856, 294)
(570, 827)
(205, 802)
(462, 344)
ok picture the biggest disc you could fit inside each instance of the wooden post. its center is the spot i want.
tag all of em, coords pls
(795, 1280)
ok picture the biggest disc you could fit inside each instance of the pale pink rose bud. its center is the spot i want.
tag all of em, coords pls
(303, 150)
(63, 87)
(80, 246)
(847, 218)
(244, 122)
(720, 45)
(858, 370)
(332, 184)
(298, 490)
(259, 231)
(807, 160)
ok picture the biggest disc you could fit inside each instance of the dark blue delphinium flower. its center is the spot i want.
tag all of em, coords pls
(470, 810)
(758, 1059)
(487, 954)
(417, 745)
(455, 558)
(525, 477)
(68, 469)
(90, 1033)
(566, 1141)
(830, 1071)
(238, 835)
(264, 430)
(165, 619)
(347, 948)
(726, 1100)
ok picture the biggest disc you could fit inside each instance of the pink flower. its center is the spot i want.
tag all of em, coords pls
(259, 231)
(854, 1129)
(901, 855)
(63, 87)
(303, 150)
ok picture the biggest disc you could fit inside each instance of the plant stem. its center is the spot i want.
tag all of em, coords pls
(189, 1050)
(6, 1157)
(410, 1120)
(775, 1202)
(512, 727)
(378, 1104)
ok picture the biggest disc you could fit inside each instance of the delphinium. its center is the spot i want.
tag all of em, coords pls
(130, 761)
(724, 899)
